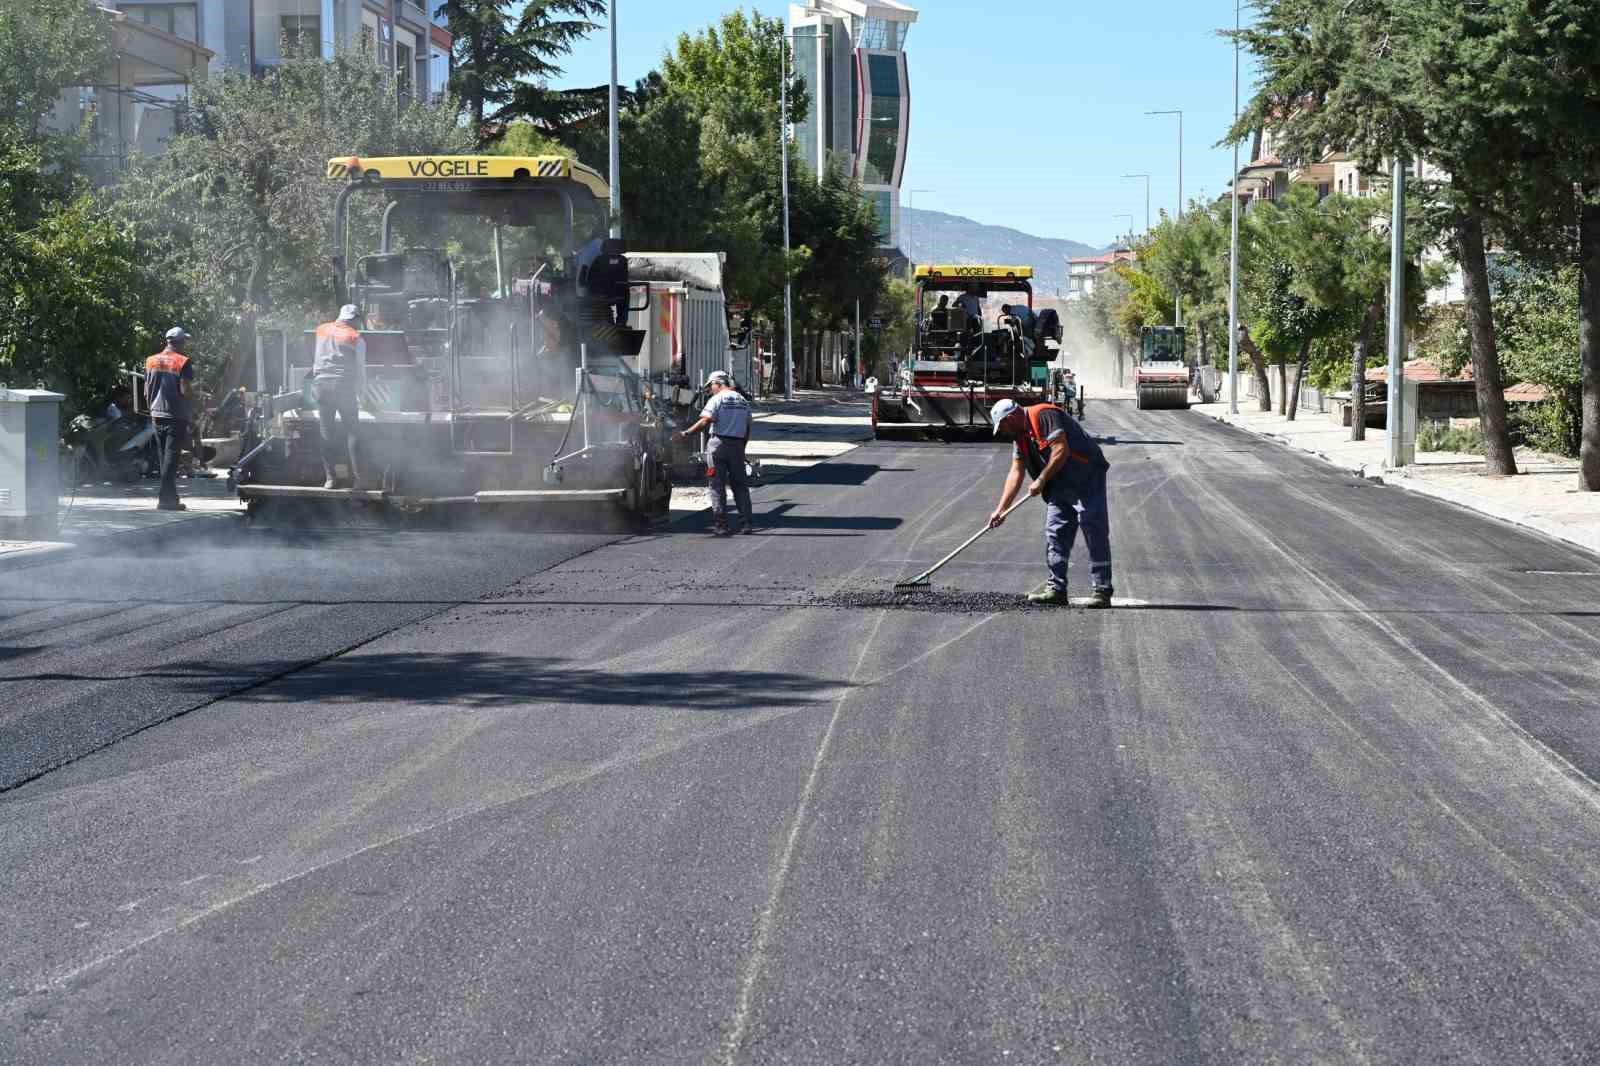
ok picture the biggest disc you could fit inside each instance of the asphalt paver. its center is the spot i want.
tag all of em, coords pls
(1320, 789)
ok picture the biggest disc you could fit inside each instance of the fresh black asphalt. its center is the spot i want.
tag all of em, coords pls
(1320, 789)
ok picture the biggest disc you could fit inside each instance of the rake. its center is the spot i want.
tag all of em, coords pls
(921, 581)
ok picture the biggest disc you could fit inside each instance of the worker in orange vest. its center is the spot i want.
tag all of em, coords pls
(1068, 472)
(339, 376)
(168, 391)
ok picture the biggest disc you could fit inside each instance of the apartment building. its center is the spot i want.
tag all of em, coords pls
(1083, 271)
(253, 34)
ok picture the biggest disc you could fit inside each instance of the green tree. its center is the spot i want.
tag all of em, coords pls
(47, 46)
(81, 297)
(1387, 78)
(504, 60)
(1537, 312)
(240, 203)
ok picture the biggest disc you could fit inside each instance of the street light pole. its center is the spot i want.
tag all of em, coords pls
(1233, 241)
(616, 152)
(1397, 303)
(783, 143)
(1179, 215)
(1146, 178)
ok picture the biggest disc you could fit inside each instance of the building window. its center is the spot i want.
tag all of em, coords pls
(180, 20)
(805, 69)
(301, 33)
(881, 35)
(883, 206)
(403, 75)
(883, 134)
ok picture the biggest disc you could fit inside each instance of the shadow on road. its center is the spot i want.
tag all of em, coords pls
(483, 679)
(847, 474)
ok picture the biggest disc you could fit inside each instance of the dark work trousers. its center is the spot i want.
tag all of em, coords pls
(1065, 509)
(337, 397)
(171, 433)
(727, 471)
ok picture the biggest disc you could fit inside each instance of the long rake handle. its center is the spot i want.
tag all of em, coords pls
(920, 578)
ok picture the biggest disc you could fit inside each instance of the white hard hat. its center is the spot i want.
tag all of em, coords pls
(718, 377)
(349, 313)
(177, 333)
(1000, 411)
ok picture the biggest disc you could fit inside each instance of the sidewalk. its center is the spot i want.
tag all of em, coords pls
(1545, 497)
(101, 511)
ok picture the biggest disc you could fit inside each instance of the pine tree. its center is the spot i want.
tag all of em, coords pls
(503, 61)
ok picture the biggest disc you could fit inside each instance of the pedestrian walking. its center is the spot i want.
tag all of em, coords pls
(727, 414)
(1068, 471)
(168, 394)
(339, 376)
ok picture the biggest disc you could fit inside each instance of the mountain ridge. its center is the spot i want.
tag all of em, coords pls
(939, 237)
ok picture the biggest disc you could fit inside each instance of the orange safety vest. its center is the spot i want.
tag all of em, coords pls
(166, 361)
(1036, 432)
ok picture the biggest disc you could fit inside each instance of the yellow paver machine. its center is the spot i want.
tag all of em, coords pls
(968, 357)
(512, 383)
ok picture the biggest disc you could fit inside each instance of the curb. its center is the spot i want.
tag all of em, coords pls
(1414, 486)
(48, 552)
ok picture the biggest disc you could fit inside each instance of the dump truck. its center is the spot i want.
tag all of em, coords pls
(961, 367)
(507, 380)
(1161, 380)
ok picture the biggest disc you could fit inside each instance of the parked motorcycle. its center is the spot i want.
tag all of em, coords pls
(115, 446)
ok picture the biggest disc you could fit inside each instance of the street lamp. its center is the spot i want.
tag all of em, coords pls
(616, 154)
(1179, 113)
(1233, 240)
(1146, 177)
(783, 145)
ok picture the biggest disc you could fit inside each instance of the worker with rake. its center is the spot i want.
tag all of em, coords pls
(1068, 473)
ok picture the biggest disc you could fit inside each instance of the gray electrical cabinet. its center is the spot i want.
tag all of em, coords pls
(30, 463)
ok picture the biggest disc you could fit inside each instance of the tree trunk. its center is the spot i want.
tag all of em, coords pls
(1258, 362)
(1299, 376)
(1283, 388)
(1205, 351)
(1358, 369)
(1589, 341)
(1485, 358)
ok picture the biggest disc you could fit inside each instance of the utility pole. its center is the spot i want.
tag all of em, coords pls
(1397, 306)
(783, 145)
(1233, 241)
(858, 341)
(1179, 113)
(616, 151)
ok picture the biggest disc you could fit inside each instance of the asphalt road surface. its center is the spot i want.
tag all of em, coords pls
(1320, 789)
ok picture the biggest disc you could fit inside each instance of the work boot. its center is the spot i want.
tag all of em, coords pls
(329, 482)
(747, 529)
(720, 529)
(171, 505)
(1099, 598)
(1048, 596)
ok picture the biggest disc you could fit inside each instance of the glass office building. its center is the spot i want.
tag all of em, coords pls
(851, 54)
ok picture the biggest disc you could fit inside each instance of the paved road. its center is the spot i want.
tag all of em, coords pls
(1323, 791)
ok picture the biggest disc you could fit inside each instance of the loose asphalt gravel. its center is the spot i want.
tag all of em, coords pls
(1326, 795)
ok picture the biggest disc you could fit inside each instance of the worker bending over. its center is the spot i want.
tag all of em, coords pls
(339, 376)
(1069, 472)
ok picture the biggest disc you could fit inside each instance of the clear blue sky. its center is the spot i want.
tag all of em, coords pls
(1048, 94)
